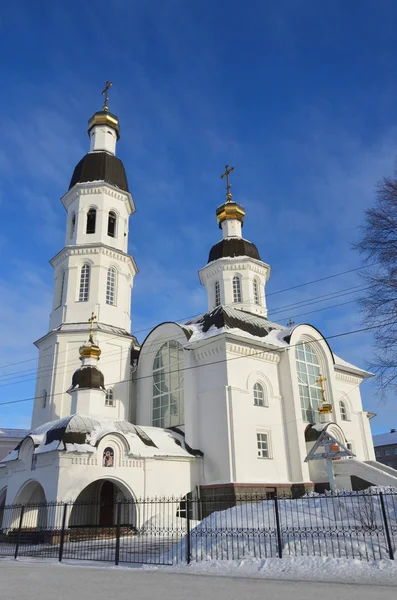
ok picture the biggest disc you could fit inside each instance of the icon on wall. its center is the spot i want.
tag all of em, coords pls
(108, 457)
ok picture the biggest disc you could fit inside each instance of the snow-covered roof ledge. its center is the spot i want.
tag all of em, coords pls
(345, 367)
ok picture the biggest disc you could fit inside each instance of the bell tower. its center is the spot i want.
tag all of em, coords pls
(93, 273)
(235, 275)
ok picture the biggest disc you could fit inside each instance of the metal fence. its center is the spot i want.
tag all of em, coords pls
(180, 530)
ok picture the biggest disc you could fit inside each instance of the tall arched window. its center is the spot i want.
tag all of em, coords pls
(343, 411)
(44, 398)
(73, 225)
(256, 291)
(259, 395)
(217, 294)
(91, 220)
(308, 368)
(84, 283)
(168, 386)
(61, 288)
(112, 224)
(236, 289)
(111, 286)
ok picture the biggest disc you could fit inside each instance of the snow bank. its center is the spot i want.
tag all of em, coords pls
(344, 526)
(297, 568)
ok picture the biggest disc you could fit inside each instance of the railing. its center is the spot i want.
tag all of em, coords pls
(177, 530)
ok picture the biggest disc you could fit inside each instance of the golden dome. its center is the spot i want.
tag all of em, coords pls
(90, 350)
(104, 117)
(230, 210)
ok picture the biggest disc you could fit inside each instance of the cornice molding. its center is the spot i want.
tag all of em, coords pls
(202, 355)
(94, 249)
(222, 265)
(248, 351)
(347, 378)
(84, 189)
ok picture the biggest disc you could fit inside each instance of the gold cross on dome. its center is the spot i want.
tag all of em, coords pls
(105, 93)
(290, 323)
(228, 186)
(91, 321)
(320, 381)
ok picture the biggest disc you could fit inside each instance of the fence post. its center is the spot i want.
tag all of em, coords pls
(19, 532)
(387, 531)
(62, 540)
(118, 519)
(188, 547)
(278, 530)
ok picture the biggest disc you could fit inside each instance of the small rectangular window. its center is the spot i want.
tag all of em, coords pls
(262, 442)
(388, 452)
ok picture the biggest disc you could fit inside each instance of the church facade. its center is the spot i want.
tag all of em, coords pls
(228, 402)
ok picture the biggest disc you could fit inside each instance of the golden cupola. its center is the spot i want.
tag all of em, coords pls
(229, 210)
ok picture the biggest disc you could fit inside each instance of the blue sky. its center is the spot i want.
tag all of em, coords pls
(300, 96)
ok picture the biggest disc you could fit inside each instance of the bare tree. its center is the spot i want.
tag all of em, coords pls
(379, 243)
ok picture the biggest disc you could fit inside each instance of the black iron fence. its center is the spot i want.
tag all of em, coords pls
(174, 530)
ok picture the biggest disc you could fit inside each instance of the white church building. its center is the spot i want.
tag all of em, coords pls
(224, 404)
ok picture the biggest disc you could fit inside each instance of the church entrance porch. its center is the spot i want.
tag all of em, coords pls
(101, 507)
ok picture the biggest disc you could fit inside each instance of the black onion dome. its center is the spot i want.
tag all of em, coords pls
(231, 247)
(100, 166)
(88, 378)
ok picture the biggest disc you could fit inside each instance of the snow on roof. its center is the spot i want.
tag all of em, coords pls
(339, 362)
(384, 439)
(81, 433)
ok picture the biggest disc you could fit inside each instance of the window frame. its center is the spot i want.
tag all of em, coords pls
(255, 286)
(111, 286)
(237, 291)
(61, 288)
(91, 221)
(217, 293)
(85, 282)
(72, 225)
(260, 449)
(344, 415)
(262, 402)
(112, 215)
(312, 399)
(110, 400)
(163, 390)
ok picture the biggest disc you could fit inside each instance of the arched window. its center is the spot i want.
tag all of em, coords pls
(259, 395)
(61, 288)
(112, 224)
(343, 411)
(73, 225)
(111, 287)
(308, 369)
(217, 294)
(84, 283)
(44, 399)
(168, 386)
(109, 399)
(256, 291)
(236, 289)
(91, 219)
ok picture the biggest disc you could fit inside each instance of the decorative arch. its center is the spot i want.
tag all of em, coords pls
(95, 506)
(259, 377)
(344, 399)
(31, 492)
